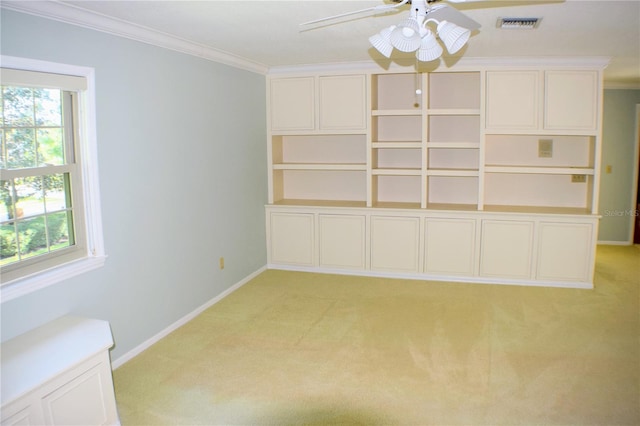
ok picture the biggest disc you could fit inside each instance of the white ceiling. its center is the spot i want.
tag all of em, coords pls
(266, 33)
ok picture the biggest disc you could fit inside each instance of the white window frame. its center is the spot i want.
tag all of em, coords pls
(87, 144)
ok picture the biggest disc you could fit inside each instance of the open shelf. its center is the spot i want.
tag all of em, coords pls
(397, 187)
(320, 203)
(537, 190)
(537, 209)
(396, 92)
(452, 189)
(523, 151)
(329, 185)
(454, 90)
(539, 170)
(318, 166)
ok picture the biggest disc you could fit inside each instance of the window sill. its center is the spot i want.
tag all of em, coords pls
(26, 285)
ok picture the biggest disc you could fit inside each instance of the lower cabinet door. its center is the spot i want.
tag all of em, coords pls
(507, 248)
(22, 413)
(342, 241)
(395, 243)
(565, 251)
(291, 239)
(450, 246)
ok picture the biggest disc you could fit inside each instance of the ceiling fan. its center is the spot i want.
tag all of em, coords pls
(414, 34)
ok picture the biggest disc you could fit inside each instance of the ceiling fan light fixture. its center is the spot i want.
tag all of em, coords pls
(406, 36)
(382, 41)
(430, 49)
(453, 36)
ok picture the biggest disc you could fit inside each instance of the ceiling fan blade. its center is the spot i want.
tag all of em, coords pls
(443, 12)
(380, 8)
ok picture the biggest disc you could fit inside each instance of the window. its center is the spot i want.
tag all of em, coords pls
(49, 201)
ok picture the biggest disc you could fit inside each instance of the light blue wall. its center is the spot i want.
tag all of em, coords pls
(182, 161)
(618, 134)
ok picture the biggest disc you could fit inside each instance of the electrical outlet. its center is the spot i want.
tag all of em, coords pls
(222, 263)
(578, 178)
(545, 148)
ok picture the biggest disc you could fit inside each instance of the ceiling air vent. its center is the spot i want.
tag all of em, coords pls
(518, 23)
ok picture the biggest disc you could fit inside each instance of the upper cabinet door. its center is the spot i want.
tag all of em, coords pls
(513, 100)
(292, 105)
(342, 102)
(571, 100)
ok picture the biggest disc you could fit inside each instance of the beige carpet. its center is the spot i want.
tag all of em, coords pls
(300, 348)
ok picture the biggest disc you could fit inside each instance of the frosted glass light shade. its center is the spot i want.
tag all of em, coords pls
(453, 36)
(406, 36)
(382, 41)
(430, 49)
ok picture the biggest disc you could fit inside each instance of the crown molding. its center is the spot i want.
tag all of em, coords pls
(73, 15)
(449, 63)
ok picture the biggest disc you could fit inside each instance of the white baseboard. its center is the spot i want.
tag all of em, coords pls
(182, 321)
(615, 243)
(433, 277)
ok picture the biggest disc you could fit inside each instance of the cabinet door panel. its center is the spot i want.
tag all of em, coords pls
(22, 413)
(450, 246)
(292, 104)
(507, 247)
(565, 251)
(395, 243)
(513, 99)
(571, 100)
(343, 102)
(292, 238)
(342, 241)
(82, 401)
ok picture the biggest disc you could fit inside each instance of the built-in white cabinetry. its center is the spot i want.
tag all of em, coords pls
(450, 246)
(564, 251)
(395, 243)
(292, 238)
(292, 104)
(461, 172)
(542, 100)
(342, 241)
(318, 139)
(507, 248)
(59, 374)
(339, 101)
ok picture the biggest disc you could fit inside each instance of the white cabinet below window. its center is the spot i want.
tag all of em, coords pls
(59, 374)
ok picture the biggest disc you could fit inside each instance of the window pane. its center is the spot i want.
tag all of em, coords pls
(18, 106)
(50, 147)
(29, 196)
(8, 244)
(21, 148)
(3, 151)
(7, 209)
(58, 225)
(57, 192)
(48, 107)
(32, 237)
